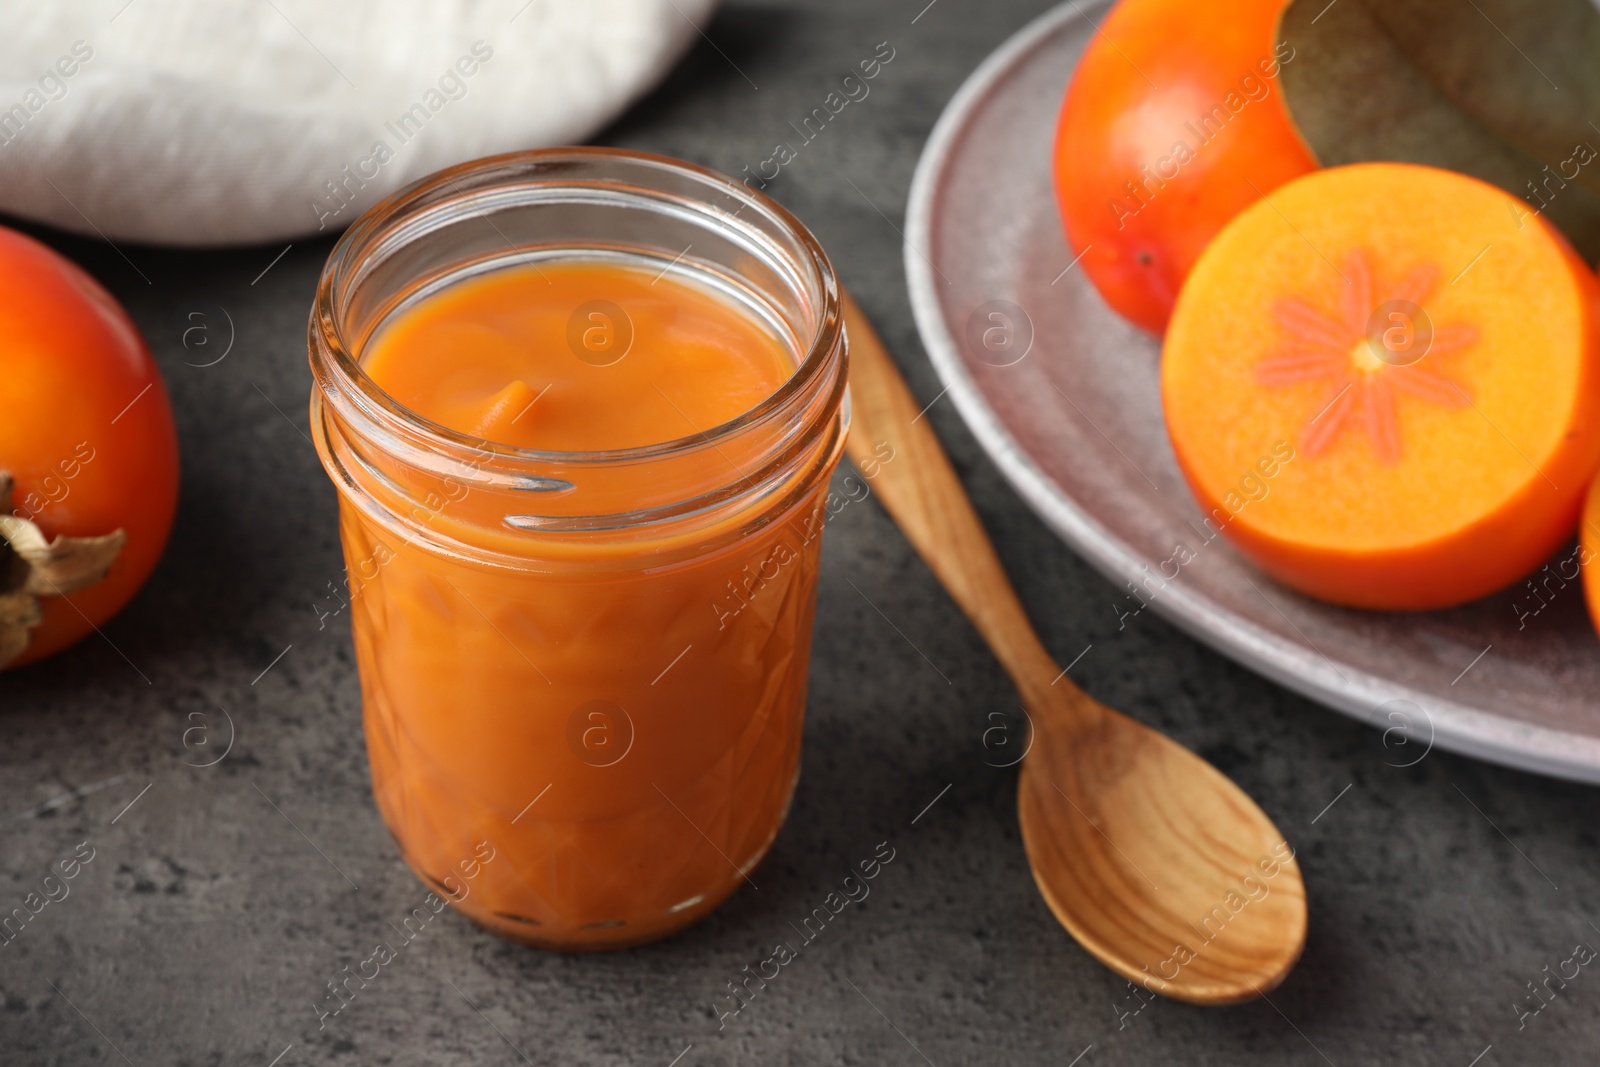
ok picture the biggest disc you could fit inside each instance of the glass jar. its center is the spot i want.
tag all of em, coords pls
(583, 674)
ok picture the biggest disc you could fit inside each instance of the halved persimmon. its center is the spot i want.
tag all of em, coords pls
(1382, 383)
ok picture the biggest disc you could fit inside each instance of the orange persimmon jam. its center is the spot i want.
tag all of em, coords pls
(490, 357)
(581, 481)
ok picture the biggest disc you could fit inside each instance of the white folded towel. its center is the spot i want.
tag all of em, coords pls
(229, 121)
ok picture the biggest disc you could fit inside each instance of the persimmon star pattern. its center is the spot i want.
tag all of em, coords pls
(1338, 348)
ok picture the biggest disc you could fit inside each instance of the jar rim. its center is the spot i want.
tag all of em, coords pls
(335, 353)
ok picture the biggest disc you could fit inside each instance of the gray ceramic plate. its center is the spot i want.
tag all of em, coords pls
(1075, 424)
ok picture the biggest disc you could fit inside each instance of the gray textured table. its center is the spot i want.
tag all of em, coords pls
(206, 926)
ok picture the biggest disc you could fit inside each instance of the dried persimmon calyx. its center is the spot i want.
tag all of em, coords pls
(32, 566)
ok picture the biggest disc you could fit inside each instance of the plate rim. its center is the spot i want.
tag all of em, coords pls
(1455, 727)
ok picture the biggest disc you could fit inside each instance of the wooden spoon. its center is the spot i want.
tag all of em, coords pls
(1161, 867)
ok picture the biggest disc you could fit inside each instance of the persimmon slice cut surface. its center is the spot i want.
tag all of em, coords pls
(1381, 383)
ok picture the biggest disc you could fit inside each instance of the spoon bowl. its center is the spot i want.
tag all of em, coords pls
(1158, 864)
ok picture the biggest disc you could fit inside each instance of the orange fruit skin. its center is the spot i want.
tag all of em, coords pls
(1588, 546)
(1147, 77)
(1476, 559)
(70, 384)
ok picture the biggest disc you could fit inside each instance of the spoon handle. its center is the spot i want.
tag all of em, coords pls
(921, 490)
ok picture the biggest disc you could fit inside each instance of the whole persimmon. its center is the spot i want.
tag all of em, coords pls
(88, 454)
(1173, 123)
